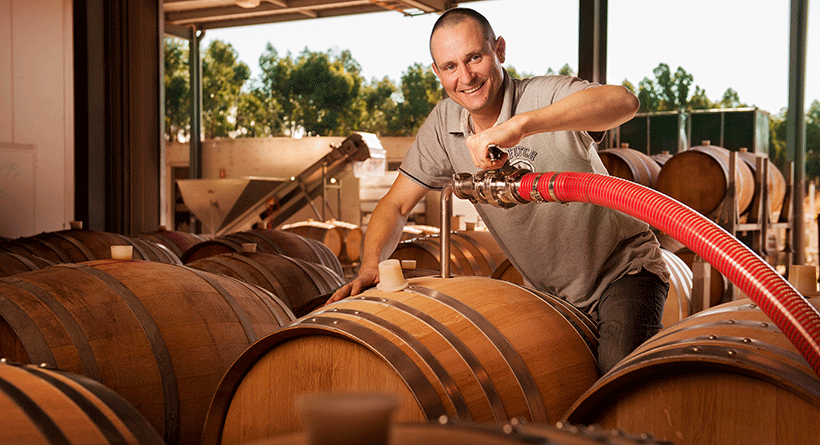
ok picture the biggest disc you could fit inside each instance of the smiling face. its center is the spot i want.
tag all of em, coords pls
(469, 68)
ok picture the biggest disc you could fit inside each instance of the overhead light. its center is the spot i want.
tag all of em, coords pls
(247, 4)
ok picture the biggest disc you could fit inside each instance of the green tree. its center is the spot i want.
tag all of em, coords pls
(269, 111)
(647, 96)
(514, 73)
(777, 140)
(813, 127)
(813, 141)
(699, 101)
(253, 116)
(177, 90)
(323, 89)
(223, 76)
(379, 106)
(730, 99)
(566, 70)
(670, 91)
(420, 94)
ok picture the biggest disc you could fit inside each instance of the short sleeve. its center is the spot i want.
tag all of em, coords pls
(426, 161)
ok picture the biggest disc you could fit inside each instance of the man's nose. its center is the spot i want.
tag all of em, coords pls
(466, 74)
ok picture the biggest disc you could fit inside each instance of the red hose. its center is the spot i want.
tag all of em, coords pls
(775, 296)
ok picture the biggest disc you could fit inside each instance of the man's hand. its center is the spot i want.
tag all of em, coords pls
(506, 134)
(366, 279)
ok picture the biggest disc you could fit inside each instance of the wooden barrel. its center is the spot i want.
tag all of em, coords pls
(775, 182)
(13, 263)
(661, 157)
(159, 335)
(294, 281)
(472, 252)
(353, 239)
(176, 241)
(699, 178)
(630, 164)
(415, 231)
(471, 348)
(513, 433)
(76, 246)
(724, 375)
(42, 405)
(679, 299)
(325, 233)
(718, 284)
(507, 272)
(268, 241)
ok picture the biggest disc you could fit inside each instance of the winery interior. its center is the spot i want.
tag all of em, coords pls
(175, 292)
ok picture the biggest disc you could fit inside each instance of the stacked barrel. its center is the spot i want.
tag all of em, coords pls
(700, 178)
(723, 375)
(219, 341)
(345, 240)
(147, 334)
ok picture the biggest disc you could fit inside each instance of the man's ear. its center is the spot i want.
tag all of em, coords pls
(501, 49)
(435, 69)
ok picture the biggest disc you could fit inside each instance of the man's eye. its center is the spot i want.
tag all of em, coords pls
(476, 57)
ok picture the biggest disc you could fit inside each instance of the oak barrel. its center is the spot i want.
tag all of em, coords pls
(630, 164)
(679, 299)
(718, 284)
(507, 272)
(472, 348)
(176, 241)
(724, 375)
(415, 231)
(699, 178)
(775, 182)
(296, 282)
(13, 263)
(661, 157)
(42, 405)
(353, 239)
(472, 252)
(77, 245)
(326, 233)
(269, 241)
(160, 335)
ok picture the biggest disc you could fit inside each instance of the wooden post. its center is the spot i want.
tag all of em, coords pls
(701, 277)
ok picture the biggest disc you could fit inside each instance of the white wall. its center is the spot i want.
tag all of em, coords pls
(36, 116)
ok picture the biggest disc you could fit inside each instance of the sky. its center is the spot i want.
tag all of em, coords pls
(738, 44)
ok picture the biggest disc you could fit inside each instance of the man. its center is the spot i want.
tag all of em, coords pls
(602, 261)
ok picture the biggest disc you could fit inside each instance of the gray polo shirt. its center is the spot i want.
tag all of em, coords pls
(573, 251)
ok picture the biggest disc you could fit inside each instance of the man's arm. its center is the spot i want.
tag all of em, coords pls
(593, 109)
(383, 233)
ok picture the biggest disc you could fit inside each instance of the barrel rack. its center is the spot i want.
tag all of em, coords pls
(757, 225)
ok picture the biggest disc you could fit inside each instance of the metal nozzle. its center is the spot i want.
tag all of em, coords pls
(495, 187)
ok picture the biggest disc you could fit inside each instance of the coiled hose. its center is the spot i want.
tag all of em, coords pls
(775, 296)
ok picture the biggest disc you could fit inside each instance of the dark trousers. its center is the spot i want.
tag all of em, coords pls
(630, 311)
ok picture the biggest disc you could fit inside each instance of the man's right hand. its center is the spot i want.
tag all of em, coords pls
(366, 279)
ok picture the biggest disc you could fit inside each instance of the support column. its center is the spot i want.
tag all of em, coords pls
(592, 42)
(796, 120)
